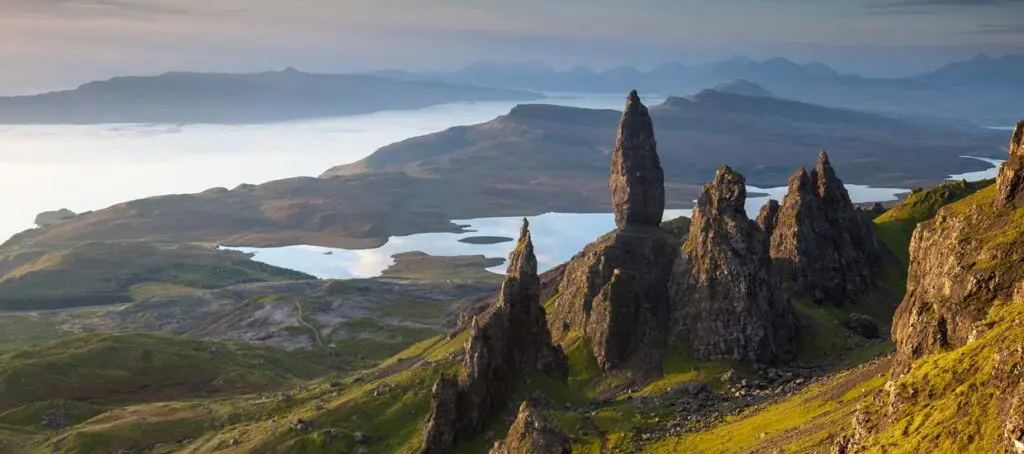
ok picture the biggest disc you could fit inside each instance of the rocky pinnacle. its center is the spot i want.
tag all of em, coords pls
(505, 346)
(727, 296)
(637, 179)
(1010, 182)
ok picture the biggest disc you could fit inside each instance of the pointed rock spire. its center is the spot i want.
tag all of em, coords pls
(820, 240)
(637, 179)
(1010, 182)
(724, 278)
(829, 187)
(522, 285)
(506, 345)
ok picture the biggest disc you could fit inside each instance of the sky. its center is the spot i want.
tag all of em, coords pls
(49, 44)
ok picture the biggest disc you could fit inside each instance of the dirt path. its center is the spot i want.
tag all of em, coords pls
(316, 332)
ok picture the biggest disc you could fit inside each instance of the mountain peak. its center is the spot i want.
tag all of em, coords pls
(745, 88)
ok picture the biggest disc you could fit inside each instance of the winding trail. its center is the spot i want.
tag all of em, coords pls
(316, 332)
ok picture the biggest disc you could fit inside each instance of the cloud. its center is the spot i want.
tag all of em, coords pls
(997, 29)
(936, 6)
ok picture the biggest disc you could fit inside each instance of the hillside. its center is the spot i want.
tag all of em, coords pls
(98, 273)
(762, 137)
(237, 98)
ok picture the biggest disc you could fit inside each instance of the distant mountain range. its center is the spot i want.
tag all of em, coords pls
(238, 98)
(982, 90)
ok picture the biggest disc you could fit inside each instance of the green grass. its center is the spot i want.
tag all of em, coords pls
(895, 226)
(100, 273)
(19, 331)
(950, 402)
(805, 422)
(119, 369)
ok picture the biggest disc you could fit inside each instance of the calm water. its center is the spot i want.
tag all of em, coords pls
(981, 174)
(556, 237)
(91, 167)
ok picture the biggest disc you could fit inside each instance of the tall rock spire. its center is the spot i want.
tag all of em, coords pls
(637, 179)
(522, 285)
(1010, 182)
(614, 294)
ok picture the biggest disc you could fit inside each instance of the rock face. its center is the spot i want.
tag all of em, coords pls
(768, 217)
(961, 262)
(726, 295)
(532, 433)
(1010, 182)
(820, 244)
(511, 343)
(637, 179)
(51, 217)
(615, 293)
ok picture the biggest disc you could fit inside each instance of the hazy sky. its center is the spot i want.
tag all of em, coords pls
(58, 43)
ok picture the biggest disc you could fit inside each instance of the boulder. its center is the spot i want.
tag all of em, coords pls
(532, 433)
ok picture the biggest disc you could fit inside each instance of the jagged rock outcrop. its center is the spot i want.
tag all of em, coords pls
(614, 293)
(822, 247)
(52, 217)
(441, 424)
(768, 217)
(961, 262)
(511, 343)
(1010, 182)
(532, 433)
(637, 179)
(726, 296)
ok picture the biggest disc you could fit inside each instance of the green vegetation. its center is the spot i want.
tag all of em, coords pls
(951, 400)
(896, 225)
(102, 273)
(806, 422)
(420, 266)
(119, 369)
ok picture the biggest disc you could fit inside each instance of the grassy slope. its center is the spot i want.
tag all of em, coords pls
(116, 272)
(119, 369)
(895, 226)
(804, 422)
(952, 402)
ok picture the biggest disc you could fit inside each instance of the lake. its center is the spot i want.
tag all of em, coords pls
(46, 167)
(556, 238)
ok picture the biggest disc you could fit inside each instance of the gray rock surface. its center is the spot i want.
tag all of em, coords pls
(822, 247)
(726, 295)
(637, 179)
